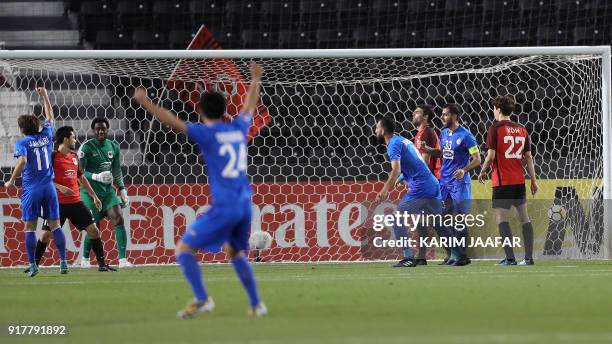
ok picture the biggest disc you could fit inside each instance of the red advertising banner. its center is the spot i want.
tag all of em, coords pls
(309, 222)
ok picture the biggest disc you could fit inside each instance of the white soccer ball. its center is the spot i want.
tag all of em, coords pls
(557, 213)
(260, 240)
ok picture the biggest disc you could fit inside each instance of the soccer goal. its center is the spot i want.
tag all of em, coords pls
(313, 159)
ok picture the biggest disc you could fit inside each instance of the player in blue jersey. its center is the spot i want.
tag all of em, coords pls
(460, 155)
(33, 153)
(224, 148)
(423, 196)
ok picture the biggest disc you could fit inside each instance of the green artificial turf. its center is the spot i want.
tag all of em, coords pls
(552, 302)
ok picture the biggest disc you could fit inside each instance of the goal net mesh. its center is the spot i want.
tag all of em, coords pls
(313, 159)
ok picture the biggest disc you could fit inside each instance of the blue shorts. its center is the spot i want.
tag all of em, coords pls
(457, 198)
(35, 199)
(222, 223)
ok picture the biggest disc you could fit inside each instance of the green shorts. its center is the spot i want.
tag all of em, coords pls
(108, 199)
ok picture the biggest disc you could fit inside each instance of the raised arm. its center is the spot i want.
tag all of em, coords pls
(48, 109)
(252, 98)
(163, 115)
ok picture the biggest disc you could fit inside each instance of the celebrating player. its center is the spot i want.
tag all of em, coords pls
(424, 191)
(508, 145)
(223, 146)
(68, 174)
(33, 153)
(101, 164)
(460, 155)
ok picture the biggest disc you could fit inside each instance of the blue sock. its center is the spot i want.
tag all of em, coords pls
(60, 242)
(191, 271)
(30, 244)
(246, 276)
(400, 233)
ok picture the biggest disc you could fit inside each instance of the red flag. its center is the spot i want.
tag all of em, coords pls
(214, 75)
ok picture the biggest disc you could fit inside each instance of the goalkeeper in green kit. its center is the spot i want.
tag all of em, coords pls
(101, 164)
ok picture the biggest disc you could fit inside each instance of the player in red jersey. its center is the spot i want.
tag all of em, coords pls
(68, 174)
(508, 145)
(426, 136)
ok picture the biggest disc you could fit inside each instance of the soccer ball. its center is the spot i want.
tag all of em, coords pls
(557, 213)
(260, 240)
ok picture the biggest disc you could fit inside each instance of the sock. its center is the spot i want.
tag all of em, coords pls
(41, 247)
(30, 244)
(400, 233)
(528, 240)
(423, 233)
(246, 276)
(86, 247)
(121, 238)
(191, 271)
(462, 235)
(60, 242)
(506, 232)
(96, 244)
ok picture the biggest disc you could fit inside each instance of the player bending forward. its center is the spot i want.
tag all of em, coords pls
(508, 144)
(33, 153)
(423, 196)
(68, 174)
(224, 148)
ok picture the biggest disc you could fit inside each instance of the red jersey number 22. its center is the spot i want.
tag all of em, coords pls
(515, 146)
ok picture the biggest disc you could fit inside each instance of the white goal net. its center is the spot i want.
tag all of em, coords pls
(313, 159)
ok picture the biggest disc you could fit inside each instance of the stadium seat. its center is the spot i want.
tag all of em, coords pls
(112, 40)
(149, 40)
(281, 15)
(94, 16)
(170, 14)
(180, 39)
(257, 40)
(552, 35)
(369, 37)
(330, 38)
(351, 13)
(317, 14)
(133, 15)
(588, 35)
(242, 14)
(295, 39)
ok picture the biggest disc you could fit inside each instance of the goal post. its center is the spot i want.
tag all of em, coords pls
(314, 164)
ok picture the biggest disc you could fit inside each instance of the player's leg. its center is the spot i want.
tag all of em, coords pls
(502, 204)
(82, 219)
(30, 211)
(521, 207)
(462, 201)
(114, 215)
(51, 212)
(401, 233)
(447, 207)
(97, 215)
(238, 244)
(209, 232)
(43, 242)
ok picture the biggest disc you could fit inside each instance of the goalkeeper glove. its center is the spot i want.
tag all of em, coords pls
(105, 177)
(124, 197)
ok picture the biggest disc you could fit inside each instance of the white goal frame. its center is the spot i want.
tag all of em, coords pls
(603, 51)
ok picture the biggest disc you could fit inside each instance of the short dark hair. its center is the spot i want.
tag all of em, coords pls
(62, 133)
(212, 104)
(28, 124)
(388, 124)
(427, 111)
(505, 104)
(454, 109)
(100, 120)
